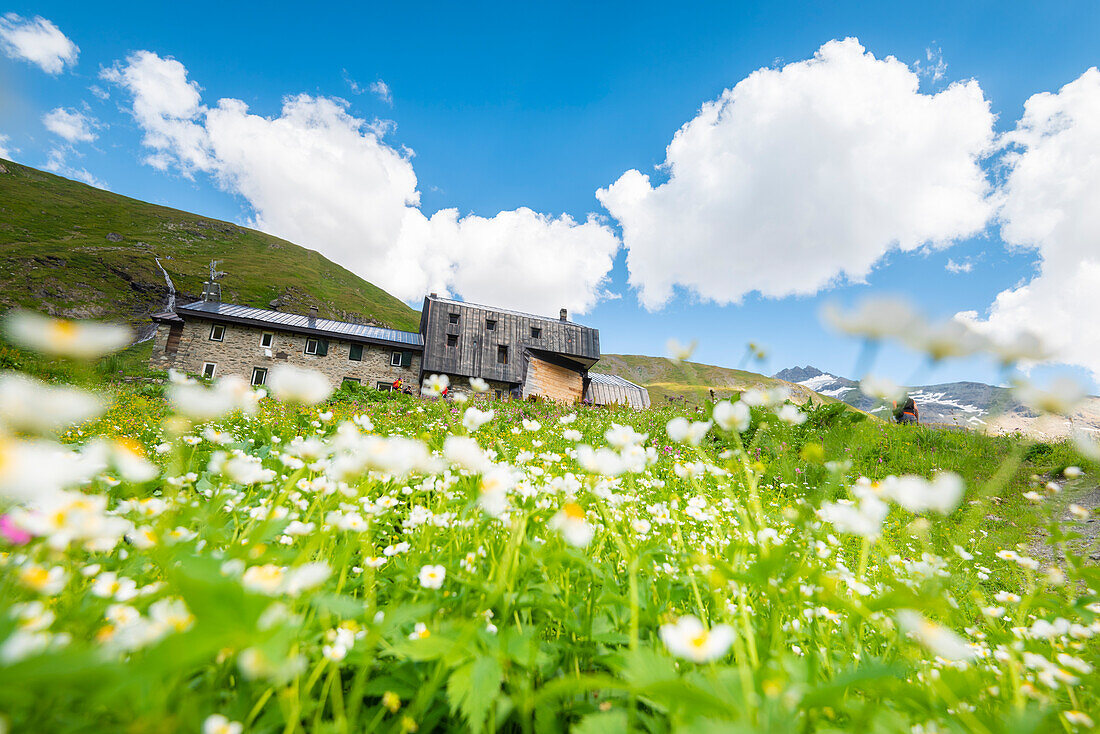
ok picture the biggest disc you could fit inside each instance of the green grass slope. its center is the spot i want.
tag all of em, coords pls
(691, 382)
(74, 250)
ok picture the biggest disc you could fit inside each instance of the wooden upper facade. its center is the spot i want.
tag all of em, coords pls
(470, 340)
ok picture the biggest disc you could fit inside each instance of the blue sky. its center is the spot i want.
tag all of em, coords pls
(510, 106)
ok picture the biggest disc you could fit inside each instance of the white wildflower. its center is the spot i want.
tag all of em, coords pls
(678, 352)
(791, 414)
(570, 522)
(939, 640)
(473, 419)
(734, 417)
(1061, 398)
(434, 385)
(687, 638)
(431, 577)
(32, 406)
(681, 430)
(881, 388)
(64, 338)
(292, 384)
(218, 724)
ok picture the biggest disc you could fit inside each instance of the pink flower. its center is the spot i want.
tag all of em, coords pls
(12, 532)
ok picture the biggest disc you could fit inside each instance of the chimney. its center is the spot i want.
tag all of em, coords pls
(313, 312)
(563, 315)
(433, 296)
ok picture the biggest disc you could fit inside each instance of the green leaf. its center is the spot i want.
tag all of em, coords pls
(342, 606)
(646, 666)
(609, 722)
(472, 689)
(429, 648)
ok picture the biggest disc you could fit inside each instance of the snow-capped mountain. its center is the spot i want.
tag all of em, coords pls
(962, 403)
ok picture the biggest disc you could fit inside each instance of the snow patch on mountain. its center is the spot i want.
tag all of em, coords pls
(941, 400)
(824, 384)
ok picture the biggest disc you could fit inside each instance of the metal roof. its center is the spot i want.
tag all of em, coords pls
(298, 322)
(494, 309)
(601, 379)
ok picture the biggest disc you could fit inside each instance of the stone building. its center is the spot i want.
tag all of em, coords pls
(519, 355)
(212, 339)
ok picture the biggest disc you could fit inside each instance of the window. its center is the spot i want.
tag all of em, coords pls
(351, 380)
(267, 339)
(502, 354)
(490, 325)
(497, 394)
(536, 332)
(217, 332)
(452, 340)
(356, 353)
(318, 347)
(384, 386)
(452, 318)
(259, 375)
(208, 370)
(395, 359)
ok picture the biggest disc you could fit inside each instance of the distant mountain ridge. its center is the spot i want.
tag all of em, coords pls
(691, 383)
(951, 402)
(970, 404)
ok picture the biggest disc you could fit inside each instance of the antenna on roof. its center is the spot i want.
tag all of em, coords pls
(212, 289)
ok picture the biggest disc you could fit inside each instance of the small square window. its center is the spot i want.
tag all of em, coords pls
(217, 332)
(355, 353)
(452, 318)
(313, 346)
(267, 339)
(536, 332)
(452, 340)
(351, 380)
(208, 370)
(502, 354)
(395, 359)
(259, 375)
(384, 386)
(490, 325)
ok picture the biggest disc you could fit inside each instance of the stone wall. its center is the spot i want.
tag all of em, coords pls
(240, 351)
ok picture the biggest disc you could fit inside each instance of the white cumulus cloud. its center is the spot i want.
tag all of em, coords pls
(5, 151)
(72, 125)
(38, 41)
(1051, 202)
(956, 268)
(319, 176)
(382, 90)
(56, 162)
(801, 177)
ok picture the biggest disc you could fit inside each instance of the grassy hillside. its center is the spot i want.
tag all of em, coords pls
(74, 250)
(692, 382)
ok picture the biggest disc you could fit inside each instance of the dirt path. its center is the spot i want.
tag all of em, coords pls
(1086, 496)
